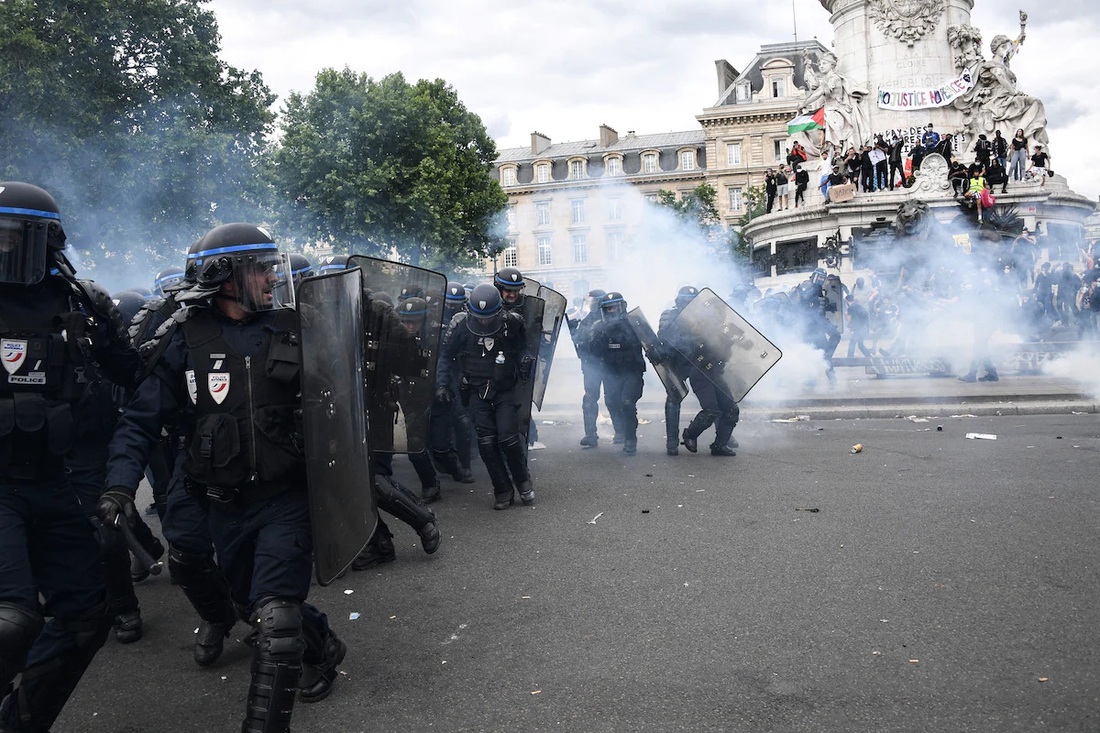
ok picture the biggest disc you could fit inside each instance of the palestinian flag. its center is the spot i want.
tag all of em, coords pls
(805, 123)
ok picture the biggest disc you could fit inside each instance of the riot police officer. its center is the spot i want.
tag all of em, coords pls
(167, 279)
(511, 284)
(676, 363)
(231, 367)
(814, 306)
(451, 433)
(183, 515)
(485, 349)
(52, 329)
(300, 267)
(716, 403)
(617, 349)
(591, 371)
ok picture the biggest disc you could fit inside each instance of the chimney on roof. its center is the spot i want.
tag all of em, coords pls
(539, 143)
(726, 75)
(608, 136)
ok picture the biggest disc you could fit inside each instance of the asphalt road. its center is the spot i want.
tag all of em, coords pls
(928, 583)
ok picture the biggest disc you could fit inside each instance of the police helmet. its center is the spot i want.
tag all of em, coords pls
(595, 296)
(510, 278)
(818, 276)
(245, 257)
(168, 279)
(411, 291)
(300, 266)
(456, 295)
(485, 306)
(412, 311)
(612, 306)
(128, 302)
(332, 264)
(685, 295)
(30, 232)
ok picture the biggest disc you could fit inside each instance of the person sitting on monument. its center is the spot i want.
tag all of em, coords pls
(995, 174)
(1040, 165)
(974, 193)
(959, 178)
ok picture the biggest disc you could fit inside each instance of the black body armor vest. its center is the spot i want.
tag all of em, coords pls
(42, 330)
(243, 433)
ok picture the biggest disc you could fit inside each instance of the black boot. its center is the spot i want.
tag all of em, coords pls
(318, 676)
(691, 442)
(449, 463)
(128, 626)
(672, 427)
(517, 466)
(498, 472)
(378, 551)
(721, 449)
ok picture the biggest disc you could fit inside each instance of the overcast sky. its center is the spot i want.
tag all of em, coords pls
(563, 67)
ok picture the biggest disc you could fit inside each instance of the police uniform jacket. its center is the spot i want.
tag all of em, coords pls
(477, 360)
(236, 385)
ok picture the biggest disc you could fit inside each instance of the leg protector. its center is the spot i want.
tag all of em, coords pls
(672, 423)
(401, 503)
(517, 466)
(425, 471)
(276, 666)
(19, 627)
(201, 580)
(324, 653)
(45, 688)
(451, 463)
(379, 550)
(498, 473)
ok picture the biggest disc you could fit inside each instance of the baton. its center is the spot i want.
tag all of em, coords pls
(136, 548)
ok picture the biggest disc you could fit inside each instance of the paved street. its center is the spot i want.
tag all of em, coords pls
(928, 583)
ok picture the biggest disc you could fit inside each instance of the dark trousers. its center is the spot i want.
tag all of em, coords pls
(496, 416)
(590, 403)
(621, 392)
(717, 409)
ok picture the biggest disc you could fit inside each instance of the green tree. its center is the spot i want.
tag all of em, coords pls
(698, 208)
(386, 167)
(123, 110)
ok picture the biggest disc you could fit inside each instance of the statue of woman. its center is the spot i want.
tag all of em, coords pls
(995, 102)
(845, 121)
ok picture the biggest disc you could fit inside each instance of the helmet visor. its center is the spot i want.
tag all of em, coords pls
(261, 281)
(22, 250)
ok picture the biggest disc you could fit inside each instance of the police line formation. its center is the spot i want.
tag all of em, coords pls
(264, 399)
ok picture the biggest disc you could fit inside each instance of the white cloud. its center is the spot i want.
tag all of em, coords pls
(563, 67)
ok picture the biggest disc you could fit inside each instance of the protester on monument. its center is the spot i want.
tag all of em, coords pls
(782, 189)
(879, 159)
(866, 169)
(801, 181)
(1040, 165)
(770, 190)
(1000, 149)
(983, 150)
(959, 178)
(996, 175)
(1017, 164)
(974, 192)
(852, 166)
(896, 156)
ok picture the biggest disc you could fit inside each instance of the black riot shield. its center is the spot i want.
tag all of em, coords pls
(553, 314)
(401, 350)
(532, 310)
(834, 309)
(722, 345)
(334, 416)
(657, 355)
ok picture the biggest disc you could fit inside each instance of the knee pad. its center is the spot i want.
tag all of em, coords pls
(19, 627)
(279, 623)
(185, 566)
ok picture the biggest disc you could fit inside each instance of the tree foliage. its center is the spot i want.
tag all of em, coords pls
(755, 200)
(697, 208)
(123, 110)
(386, 167)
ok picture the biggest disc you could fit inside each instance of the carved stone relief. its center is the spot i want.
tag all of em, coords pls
(906, 20)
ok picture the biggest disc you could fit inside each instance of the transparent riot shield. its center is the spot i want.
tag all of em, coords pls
(334, 417)
(722, 345)
(532, 311)
(834, 309)
(657, 355)
(401, 350)
(553, 314)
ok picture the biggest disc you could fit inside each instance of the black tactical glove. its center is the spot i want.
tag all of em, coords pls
(527, 369)
(443, 395)
(116, 501)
